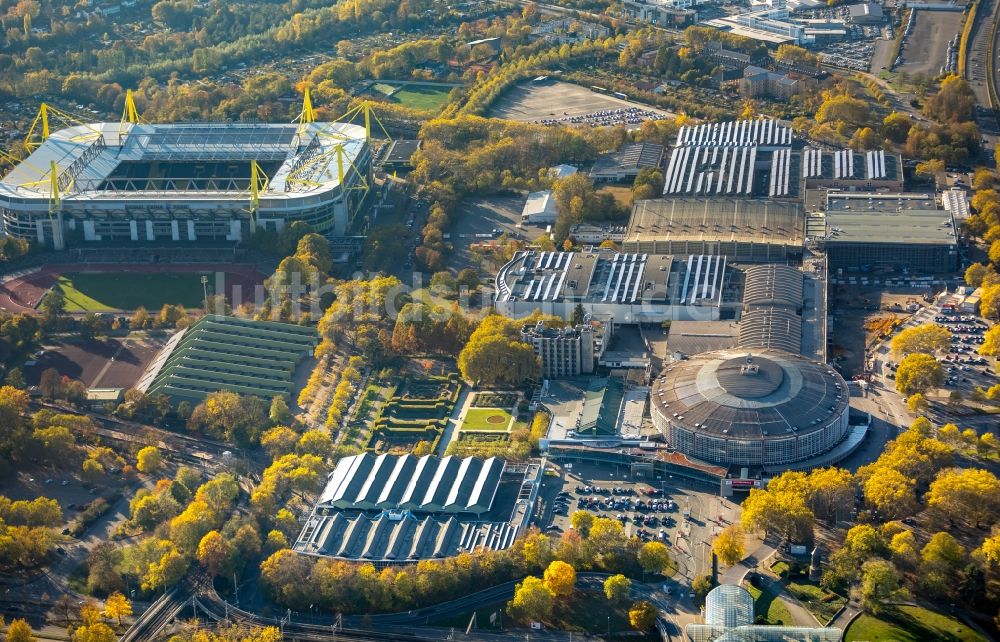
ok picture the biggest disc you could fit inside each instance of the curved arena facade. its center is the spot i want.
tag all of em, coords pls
(123, 182)
(765, 408)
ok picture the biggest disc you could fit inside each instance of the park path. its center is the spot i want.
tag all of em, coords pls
(462, 405)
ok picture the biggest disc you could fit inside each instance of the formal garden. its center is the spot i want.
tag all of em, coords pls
(490, 413)
(417, 411)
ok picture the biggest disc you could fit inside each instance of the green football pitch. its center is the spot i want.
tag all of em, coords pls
(111, 292)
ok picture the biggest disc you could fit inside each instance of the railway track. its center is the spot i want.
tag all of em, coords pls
(158, 615)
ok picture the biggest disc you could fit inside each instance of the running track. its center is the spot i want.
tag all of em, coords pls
(22, 294)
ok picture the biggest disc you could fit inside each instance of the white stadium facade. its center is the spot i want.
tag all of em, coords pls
(176, 183)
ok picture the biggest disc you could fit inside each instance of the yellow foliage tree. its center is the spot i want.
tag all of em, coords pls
(729, 545)
(560, 578)
(929, 338)
(918, 372)
(117, 606)
(966, 493)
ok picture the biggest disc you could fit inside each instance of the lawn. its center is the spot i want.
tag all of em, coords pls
(110, 292)
(486, 419)
(768, 606)
(823, 604)
(425, 97)
(910, 624)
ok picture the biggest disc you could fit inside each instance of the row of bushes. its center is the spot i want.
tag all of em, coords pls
(92, 513)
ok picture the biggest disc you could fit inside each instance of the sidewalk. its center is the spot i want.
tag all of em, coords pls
(462, 405)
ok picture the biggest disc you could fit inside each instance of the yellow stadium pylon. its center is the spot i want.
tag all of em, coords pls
(308, 113)
(55, 202)
(130, 114)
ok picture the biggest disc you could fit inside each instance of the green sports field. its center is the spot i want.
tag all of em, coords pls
(430, 98)
(426, 97)
(110, 292)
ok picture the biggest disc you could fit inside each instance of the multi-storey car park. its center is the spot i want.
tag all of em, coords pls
(138, 182)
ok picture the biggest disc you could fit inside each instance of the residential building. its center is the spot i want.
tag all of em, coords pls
(757, 82)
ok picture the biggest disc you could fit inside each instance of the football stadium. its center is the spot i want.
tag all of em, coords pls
(174, 183)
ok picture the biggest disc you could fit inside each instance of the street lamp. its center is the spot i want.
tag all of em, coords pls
(204, 289)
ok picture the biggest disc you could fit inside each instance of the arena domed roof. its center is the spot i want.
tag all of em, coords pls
(740, 394)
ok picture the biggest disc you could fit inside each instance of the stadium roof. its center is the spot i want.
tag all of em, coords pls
(430, 484)
(743, 394)
(718, 219)
(226, 353)
(87, 157)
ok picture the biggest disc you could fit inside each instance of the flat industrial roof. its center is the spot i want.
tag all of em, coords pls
(920, 227)
(717, 219)
(694, 337)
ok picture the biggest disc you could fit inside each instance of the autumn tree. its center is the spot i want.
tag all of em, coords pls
(903, 547)
(215, 552)
(989, 307)
(890, 492)
(117, 606)
(617, 588)
(928, 338)
(279, 440)
(642, 616)
(782, 512)
(20, 631)
(917, 403)
(149, 460)
(954, 102)
(965, 493)
(654, 557)
(495, 354)
(918, 373)
(96, 632)
(533, 600)
(581, 521)
(879, 583)
(941, 564)
(729, 546)
(560, 578)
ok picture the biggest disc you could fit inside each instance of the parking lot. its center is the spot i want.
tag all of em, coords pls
(98, 363)
(964, 369)
(925, 48)
(684, 517)
(570, 104)
(482, 220)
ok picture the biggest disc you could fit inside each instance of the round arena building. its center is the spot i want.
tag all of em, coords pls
(765, 408)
